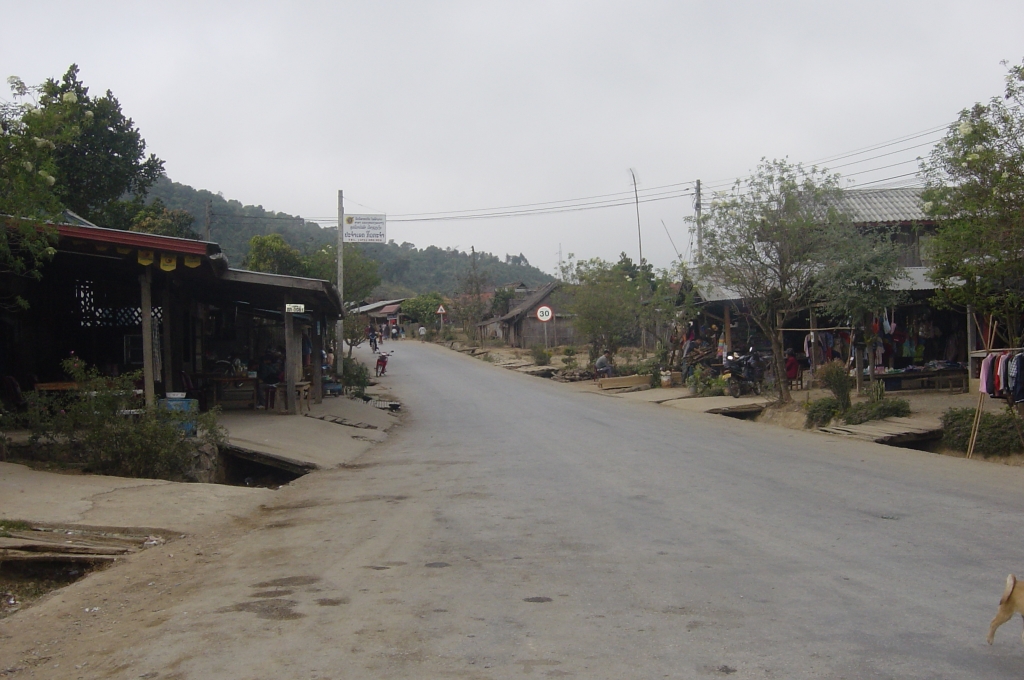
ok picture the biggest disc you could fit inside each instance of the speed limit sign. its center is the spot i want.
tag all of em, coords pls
(544, 313)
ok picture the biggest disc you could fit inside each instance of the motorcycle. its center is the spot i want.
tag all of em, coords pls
(743, 373)
(382, 363)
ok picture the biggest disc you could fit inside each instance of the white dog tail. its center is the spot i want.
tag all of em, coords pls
(1011, 582)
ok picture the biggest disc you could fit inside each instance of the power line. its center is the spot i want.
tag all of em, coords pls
(618, 199)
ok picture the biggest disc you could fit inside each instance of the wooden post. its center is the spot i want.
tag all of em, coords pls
(972, 344)
(146, 289)
(317, 340)
(814, 342)
(289, 361)
(858, 362)
(727, 323)
(168, 350)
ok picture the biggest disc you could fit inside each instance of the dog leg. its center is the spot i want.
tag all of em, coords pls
(1004, 614)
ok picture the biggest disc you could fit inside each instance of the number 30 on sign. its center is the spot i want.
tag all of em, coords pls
(544, 313)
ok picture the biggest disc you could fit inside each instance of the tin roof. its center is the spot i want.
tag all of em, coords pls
(884, 205)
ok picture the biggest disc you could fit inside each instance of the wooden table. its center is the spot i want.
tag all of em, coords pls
(221, 381)
(937, 379)
(56, 386)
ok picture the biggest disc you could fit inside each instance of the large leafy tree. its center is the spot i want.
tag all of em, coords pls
(32, 124)
(780, 242)
(105, 162)
(361, 275)
(975, 189)
(606, 300)
(271, 254)
(423, 308)
(156, 218)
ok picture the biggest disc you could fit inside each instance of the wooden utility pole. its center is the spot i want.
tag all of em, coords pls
(700, 228)
(639, 236)
(339, 330)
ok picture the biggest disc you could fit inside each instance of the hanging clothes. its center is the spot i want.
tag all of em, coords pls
(1018, 388)
(985, 381)
(1012, 375)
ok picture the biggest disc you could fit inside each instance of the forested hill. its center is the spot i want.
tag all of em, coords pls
(404, 269)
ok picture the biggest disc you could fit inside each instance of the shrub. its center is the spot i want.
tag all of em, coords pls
(877, 390)
(107, 427)
(704, 383)
(355, 375)
(838, 380)
(541, 356)
(876, 410)
(820, 412)
(997, 435)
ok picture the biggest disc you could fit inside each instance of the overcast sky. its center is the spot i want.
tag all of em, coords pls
(427, 107)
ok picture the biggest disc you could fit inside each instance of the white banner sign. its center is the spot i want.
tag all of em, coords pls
(365, 229)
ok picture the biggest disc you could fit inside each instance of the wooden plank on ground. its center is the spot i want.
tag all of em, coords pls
(624, 381)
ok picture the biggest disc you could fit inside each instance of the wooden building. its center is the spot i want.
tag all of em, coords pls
(123, 301)
(521, 327)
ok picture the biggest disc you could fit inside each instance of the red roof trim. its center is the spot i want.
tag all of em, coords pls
(166, 244)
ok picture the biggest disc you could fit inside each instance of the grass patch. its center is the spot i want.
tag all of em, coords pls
(9, 525)
(876, 410)
(997, 434)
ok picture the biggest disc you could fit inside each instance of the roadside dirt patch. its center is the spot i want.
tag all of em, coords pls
(275, 610)
(288, 581)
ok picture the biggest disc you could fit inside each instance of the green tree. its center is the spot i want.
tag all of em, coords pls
(605, 301)
(155, 218)
(361, 276)
(467, 304)
(975, 189)
(31, 127)
(272, 255)
(105, 161)
(501, 303)
(779, 241)
(423, 308)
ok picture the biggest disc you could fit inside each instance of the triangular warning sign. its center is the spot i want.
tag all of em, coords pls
(440, 310)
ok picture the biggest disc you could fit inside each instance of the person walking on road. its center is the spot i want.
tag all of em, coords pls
(422, 333)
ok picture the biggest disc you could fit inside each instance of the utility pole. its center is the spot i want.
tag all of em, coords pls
(209, 215)
(636, 197)
(700, 228)
(560, 261)
(339, 330)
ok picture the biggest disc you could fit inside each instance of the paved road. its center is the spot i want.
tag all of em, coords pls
(515, 526)
(676, 545)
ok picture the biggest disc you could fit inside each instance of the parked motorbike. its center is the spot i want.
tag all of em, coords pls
(744, 373)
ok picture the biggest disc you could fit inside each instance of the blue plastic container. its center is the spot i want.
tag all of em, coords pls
(186, 405)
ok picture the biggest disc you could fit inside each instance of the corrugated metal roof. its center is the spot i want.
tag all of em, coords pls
(374, 306)
(531, 301)
(884, 205)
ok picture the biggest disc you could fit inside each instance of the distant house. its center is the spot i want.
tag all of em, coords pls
(900, 208)
(386, 311)
(517, 287)
(521, 327)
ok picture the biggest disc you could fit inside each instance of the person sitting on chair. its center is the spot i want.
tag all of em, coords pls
(792, 366)
(603, 366)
